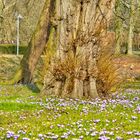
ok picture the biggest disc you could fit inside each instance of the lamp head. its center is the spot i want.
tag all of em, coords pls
(20, 16)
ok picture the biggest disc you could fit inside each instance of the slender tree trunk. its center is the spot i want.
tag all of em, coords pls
(36, 44)
(131, 27)
(2, 6)
(119, 28)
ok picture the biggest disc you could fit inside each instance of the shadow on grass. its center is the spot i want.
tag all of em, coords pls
(33, 87)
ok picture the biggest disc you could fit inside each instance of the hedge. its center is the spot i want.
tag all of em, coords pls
(11, 49)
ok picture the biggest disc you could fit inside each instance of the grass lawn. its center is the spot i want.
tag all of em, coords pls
(27, 115)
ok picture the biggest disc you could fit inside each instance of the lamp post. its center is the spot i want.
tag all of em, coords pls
(18, 27)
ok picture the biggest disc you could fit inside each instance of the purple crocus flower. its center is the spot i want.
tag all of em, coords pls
(119, 138)
(16, 137)
(25, 139)
(137, 134)
(10, 134)
(40, 135)
(104, 138)
(96, 121)
(93, 134)
(134, 117)
(138, 109)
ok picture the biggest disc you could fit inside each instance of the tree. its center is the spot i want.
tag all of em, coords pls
(29, 9)
(131, 26)
(76, 29)
(36, 45)
(2, 6)
(119, 26)
(38, 42)
(81, 25)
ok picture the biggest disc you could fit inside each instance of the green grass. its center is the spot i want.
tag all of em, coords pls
(13, 106)
(132, 85)
(22, 110)
(18, 99)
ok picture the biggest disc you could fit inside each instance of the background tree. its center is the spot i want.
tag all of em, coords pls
(29, 9)
(126, 25)
(118, 25)
(2, 6)
(132, 20)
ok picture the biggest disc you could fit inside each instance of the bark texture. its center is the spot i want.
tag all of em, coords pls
(75, 28)
(119, 27)
(81, 24)
(132, 15)
(37, 43)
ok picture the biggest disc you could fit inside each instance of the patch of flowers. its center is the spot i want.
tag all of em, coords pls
(79, 119)
(12, 135)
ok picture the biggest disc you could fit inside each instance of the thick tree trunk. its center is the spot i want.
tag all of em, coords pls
(36, 44)
(81, 25)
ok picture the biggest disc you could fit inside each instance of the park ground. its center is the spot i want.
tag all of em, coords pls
(26, 114)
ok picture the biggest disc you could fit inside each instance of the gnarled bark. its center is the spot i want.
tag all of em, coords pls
(81, 25)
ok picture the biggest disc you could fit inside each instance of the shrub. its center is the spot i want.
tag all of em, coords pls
(109, 76)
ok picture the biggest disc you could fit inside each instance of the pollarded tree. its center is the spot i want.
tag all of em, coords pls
(81, 25)
(75, 29)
